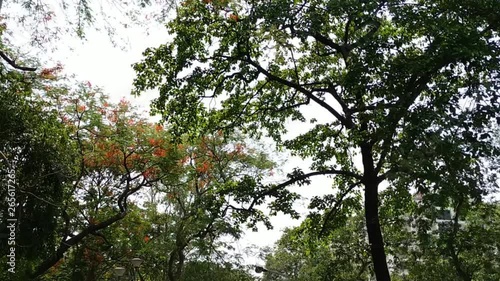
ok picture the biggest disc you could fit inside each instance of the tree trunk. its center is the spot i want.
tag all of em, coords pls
(375, 238)
(375, 234)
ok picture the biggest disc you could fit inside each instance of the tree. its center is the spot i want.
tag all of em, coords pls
(212, 271)
(421, 245)
(411, 89)
(194, 192)
(112, 154)
(455, 243)
(203, 206)
(300, 255)
(37, 160)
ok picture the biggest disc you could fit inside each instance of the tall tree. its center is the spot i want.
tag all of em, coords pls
(411, 89)
(455, 243)
(37, 160)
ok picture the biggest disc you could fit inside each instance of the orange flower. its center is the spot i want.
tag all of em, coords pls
(146, 239)
(160, 152)
(203, 168)
(158, 127)
(150, 172)
(234, 17)
(152, 142)
(81, 108)
(110, 154)
(47, 73)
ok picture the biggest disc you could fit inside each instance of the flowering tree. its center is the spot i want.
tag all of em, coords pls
(118, 154)
(219, 173)
(130, 189)
(183, 216)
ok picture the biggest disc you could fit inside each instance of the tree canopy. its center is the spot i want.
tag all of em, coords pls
(411, 89)
(396, 101)
(83, 164)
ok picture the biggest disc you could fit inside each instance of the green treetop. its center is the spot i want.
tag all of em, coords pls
(411, 89)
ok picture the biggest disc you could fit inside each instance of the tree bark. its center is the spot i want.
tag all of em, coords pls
(375, 239)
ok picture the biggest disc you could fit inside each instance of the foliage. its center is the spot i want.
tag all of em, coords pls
(420, 247)
(181, 221)
(128, 190)
(119, 154)
(342, 254)
(37, 152)
(460, 246)
(210, 271)
(204, 205)
(411, 89)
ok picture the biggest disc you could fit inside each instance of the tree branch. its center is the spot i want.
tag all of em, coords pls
(346, 122)
(333, 211)
(13, 63)
(298, 178)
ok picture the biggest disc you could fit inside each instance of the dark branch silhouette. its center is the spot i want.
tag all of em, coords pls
(13, 63)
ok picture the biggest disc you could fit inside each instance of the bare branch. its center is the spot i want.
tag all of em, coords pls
(13, 63)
